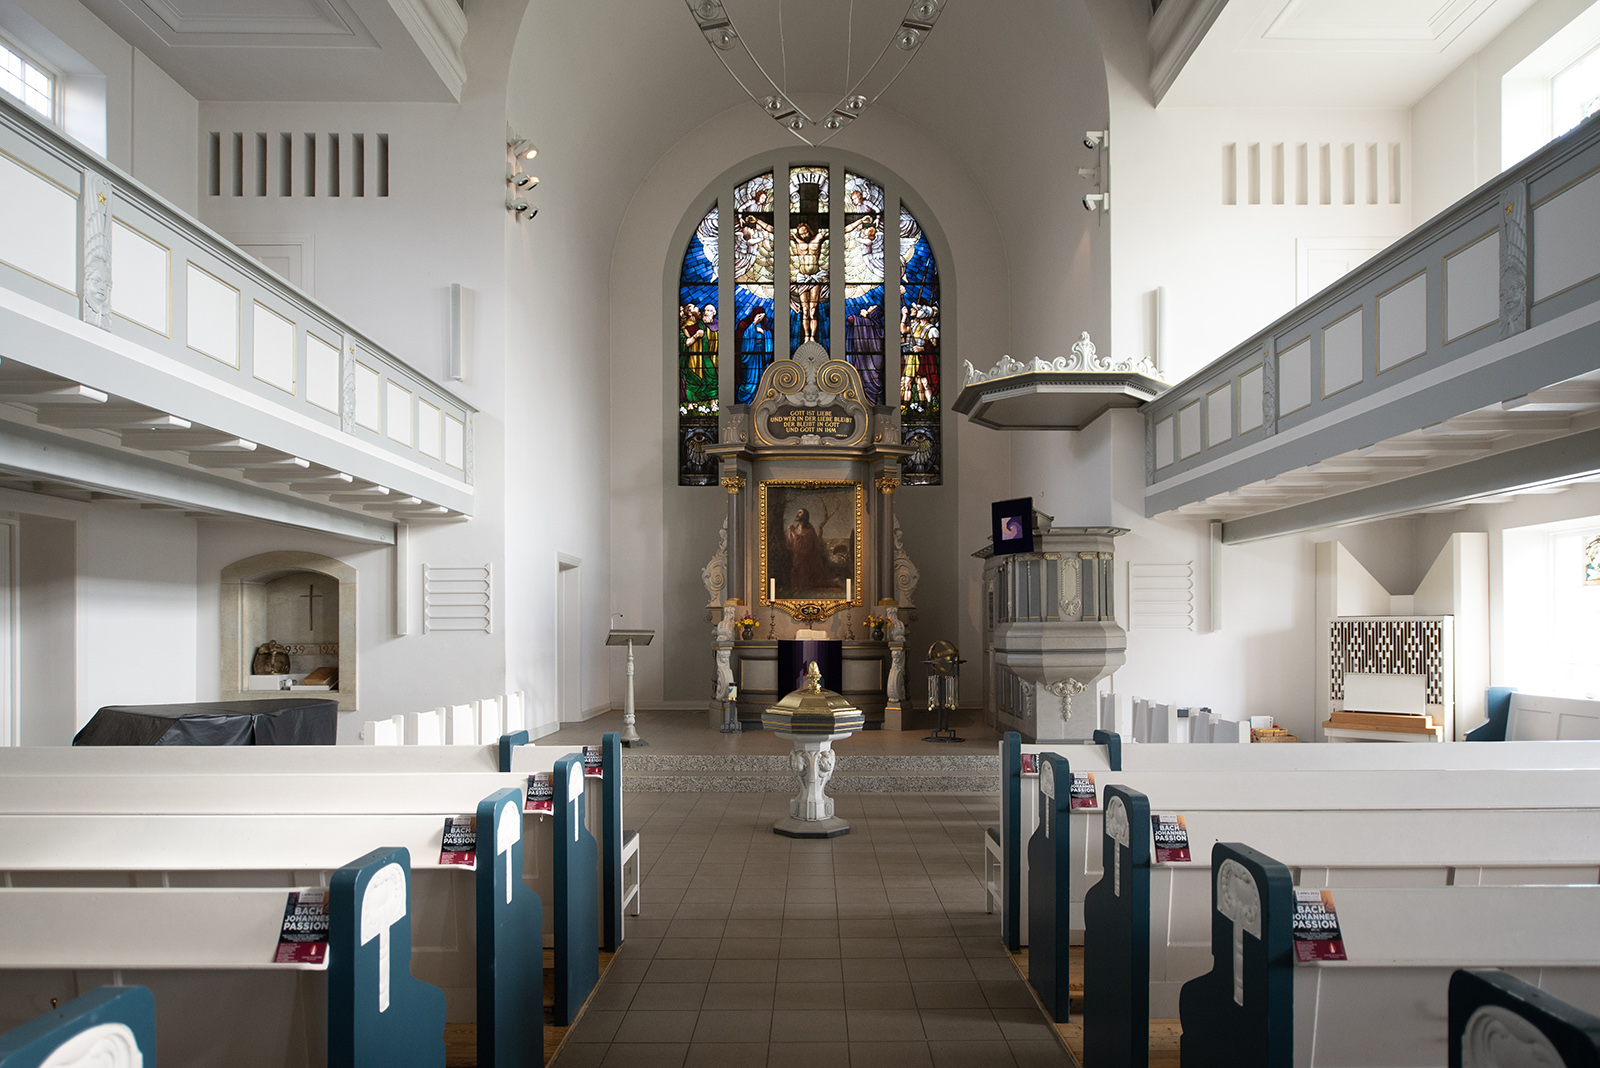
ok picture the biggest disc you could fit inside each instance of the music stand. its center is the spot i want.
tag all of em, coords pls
(630, 638)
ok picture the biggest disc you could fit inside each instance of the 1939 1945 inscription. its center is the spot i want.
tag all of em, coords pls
(833, 422)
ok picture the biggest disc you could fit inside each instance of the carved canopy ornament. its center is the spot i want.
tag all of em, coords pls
(810, 399)
(1064, 393)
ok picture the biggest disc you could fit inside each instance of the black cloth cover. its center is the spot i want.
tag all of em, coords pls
(278, 721)
(794, 656)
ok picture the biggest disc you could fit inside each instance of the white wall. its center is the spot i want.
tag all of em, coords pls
(146, 122)
(1457, 126)
(1228, 270)
(108, 610)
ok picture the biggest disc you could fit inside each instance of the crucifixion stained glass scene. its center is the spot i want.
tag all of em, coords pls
(802, 200)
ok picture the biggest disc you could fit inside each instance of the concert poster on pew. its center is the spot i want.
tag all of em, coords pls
(1316, 927)
(1082, 790)
(460, 842)
(1030, 763)
(303, 939)
(541, 794)
(592, 766)
(1171, 838)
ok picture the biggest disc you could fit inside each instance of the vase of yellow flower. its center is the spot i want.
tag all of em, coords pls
(875, 625)
(747, 626)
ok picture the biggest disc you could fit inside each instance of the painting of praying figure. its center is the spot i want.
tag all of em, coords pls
(810, 538)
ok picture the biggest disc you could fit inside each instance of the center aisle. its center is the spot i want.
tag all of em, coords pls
(870, 950)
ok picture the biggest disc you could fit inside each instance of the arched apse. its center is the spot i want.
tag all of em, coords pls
(634, 118)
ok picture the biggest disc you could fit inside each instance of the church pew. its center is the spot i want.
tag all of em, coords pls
(114, 1025)
(1147, 927)
(1049, 875)
(149, 851)
(1385, 1004)
(1351, 788)
(1497, 1019)
(208, 954)
(288, 815)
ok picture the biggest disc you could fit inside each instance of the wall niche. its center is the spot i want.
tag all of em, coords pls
(303, 601)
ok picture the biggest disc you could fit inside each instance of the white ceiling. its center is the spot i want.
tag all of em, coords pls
(1335, 53)
(324, 50)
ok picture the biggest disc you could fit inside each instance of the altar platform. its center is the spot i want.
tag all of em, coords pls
(685, 756)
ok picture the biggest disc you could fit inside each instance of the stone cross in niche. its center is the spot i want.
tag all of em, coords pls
(310, 597)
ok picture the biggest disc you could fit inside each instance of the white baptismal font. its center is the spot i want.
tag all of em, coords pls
(812, 719)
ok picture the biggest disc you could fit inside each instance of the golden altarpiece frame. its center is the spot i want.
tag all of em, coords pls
(810, 546)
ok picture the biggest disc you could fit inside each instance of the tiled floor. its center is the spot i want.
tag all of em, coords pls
(868, 950)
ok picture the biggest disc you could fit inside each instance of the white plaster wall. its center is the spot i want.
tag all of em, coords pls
(149, 121)
(1457, 125)
(1227, 270)
(137, 636)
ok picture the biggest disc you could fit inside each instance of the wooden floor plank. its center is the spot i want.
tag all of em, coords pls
(1164, 1034)
(461, 1039)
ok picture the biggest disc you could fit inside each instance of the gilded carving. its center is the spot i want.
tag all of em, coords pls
(887, 484)
(733, 483)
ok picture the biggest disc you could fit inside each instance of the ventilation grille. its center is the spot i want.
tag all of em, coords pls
(297, 164)
(1309, 172)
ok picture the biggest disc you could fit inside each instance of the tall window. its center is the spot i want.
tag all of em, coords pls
(821, 289)
(698, 331)
(27, 83)
(1575, 93)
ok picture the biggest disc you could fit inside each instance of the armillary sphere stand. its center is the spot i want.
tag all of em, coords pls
(944, 688)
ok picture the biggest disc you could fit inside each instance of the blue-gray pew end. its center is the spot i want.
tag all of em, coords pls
(577, 906)
(1116, 938)
(1050, 890)
(112, 1026)
(1500, 1021)
(1241, 1013)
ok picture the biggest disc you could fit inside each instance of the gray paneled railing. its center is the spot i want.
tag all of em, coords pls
(180, 319)
(1495, 297)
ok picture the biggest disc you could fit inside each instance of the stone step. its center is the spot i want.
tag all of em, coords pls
(953, 773)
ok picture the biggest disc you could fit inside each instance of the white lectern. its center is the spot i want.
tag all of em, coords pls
(630, 638)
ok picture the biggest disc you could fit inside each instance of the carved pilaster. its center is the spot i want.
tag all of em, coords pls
(887, 484)
(1514, 261)
(95, 306)
(347, 391)
(733, 484)
(1269, 389)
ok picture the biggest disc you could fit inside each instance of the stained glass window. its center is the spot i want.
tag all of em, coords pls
(753, 252)
(808, 256)
(697, 356)
(863, 281)
(919, 354)
(868, 306)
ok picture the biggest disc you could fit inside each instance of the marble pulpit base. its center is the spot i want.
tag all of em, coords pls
(811, 812)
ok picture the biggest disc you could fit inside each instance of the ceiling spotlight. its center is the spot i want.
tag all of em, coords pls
(519, 179)
(518, 204)
(1096, 138)
(524, 148)
(1096, 201)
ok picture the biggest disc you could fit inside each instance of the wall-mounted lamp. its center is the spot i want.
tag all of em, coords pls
(1100, 174)
(519, 181)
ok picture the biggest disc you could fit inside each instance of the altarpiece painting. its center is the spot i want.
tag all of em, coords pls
(811, 534)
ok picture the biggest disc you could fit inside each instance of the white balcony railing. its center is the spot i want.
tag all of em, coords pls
(104, 283)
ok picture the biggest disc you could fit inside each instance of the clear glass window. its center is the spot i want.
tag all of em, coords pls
(1575, 93)
(21, 79)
